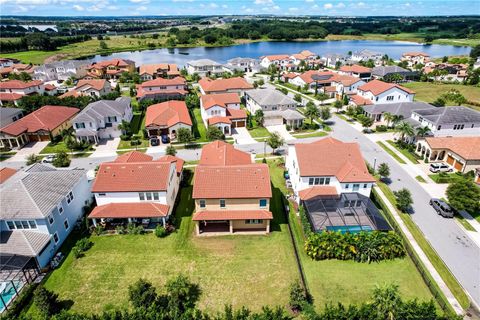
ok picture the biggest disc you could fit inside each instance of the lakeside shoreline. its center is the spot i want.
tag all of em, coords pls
(71, 52)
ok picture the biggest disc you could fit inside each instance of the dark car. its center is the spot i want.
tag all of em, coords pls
(442, 208)
(165, 139)
(154, 141)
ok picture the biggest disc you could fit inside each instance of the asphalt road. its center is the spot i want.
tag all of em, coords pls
(457, 250)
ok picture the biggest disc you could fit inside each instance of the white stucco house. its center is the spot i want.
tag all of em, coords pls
(378, 91)
(22, 88)
(223, 111)
(101, 119)
(205, 67)
(279, 60)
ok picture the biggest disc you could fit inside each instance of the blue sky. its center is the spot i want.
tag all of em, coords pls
(225, 7)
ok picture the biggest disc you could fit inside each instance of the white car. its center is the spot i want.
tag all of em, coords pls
(48, 159)
(440, 167)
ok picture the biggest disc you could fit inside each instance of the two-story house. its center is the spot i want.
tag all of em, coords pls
(9, 115)
(311, 78)
(61, 70)
(383, 92)
(237, 84)
(110, 69)
(137, 189)
(332, 60)
(243, 65)
(161, 88)
(21, 88)
(160, 70)
(164, 119)
(415, 58)
(279, 60)
(232, 194)
(40, 207)
(277, 108)
(89, 87)
(366, 55)
(357, 71)
(345, 84)
(223, 111)
(205, 67)
(101, 119)
(16, 68)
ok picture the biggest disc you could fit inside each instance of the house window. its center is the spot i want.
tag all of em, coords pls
(347, 186)
(156, 196)
(65, 224)
(149, 196)
(25, 225)
(202, 203)
(18, 225)
(263, 203)
(33, 224)
(365, 186)
(55, 237)
(141, 195)
(102, 194)
(70, 197)
(254, 221)
(310, 181)
(356, 186)
(10, 225)
(80, 125)
(390, 98)
(222, 203)
(60, 209)
(50, 218)
(439, 127)
(327, 180)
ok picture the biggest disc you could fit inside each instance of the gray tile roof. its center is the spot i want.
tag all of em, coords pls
(269, 97)
(203, 62)
(23, 242)
(367, 53)
(450, 115)
(6, 115)
(33, 194)
(381, 71)
(290, 114)
(403, 109)
(98, 110)
(242, 60)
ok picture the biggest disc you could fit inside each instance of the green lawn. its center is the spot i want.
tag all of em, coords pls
(446, 177)
(199, 129)
(54, 148)
(420, 179)
(310, 135)
(409, 155)
(138, 123)
(259, 132)
(429, 92)
(127, 144)
(391, 152)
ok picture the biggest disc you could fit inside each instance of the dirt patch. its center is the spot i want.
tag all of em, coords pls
(56, 57)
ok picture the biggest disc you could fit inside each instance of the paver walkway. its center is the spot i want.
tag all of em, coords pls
(418, 250)
(106, 148)
(30, 148)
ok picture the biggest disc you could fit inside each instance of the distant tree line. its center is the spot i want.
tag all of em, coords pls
(39, 41)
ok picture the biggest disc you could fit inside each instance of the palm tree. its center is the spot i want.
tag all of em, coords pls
(423, 131)
(311, 111)
(125, 127)
(387, 116)
(405, 129)
(396, 119)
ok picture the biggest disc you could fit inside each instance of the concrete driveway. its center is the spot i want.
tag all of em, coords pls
(30, 148)
(106, 148)
(282, 130)
(242, 136)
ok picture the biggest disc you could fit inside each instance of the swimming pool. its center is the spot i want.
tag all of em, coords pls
(8, 293)
(350, 229)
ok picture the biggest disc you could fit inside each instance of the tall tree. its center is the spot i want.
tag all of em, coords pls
(275, 141)
(311, 111)
(405, 130)
(464, 195)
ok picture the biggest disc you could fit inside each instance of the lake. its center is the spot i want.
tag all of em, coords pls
(180, 56)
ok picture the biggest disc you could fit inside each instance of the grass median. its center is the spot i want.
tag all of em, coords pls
(391, 152)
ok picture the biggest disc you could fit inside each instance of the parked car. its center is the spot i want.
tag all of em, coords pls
(442, 208)
(154, 141)
(440, 167)
(165, 139)
(48, 159)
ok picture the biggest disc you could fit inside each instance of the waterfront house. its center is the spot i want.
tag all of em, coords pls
(61, 70)
(243, 65)
(415, 58)
(223, 111)
(154, 71)
(110, 69)
(461, 153)
(40, 207)
(134, 188)
(162, 89)
(277, 108)
(205, 68)
(449, 72)
(331, 60)
(393, 74)
(16, 68)
(279, 60)
(357, 71)
(166, 118)
(101, 119)
(382, 92)
(40, 125)
(366, 55)
(237, 84)
(232, 193)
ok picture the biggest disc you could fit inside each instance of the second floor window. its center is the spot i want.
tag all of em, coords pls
(390, 98)
(222, 203)
(80, 125)
(70, 197)
(263, 203)
(356, 186)
(202, 203)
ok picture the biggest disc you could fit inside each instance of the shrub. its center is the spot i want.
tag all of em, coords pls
(381, 128)
(160, 231)
(125, 137)
(307, 227)
(142, 294)
(98, 230)
(298, 297)
(361, 247)
(21, 302)
(403, 198)
(32, 158)
(46, 302)
(81, 246)
(61, 160)
(132, 229)
(120, 230)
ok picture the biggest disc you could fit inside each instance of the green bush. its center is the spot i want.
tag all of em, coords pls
(160, 231)
(132, 229)
(307, 227)
(98, 230)
(81, 246)
(298, 297)
(120, 230)
(46, 302)
(362, 247)
(381, 128)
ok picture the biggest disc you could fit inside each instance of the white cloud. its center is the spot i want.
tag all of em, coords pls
(340, 5)
(224, 6)
(213, 5)
(142, 8)
(249, 10)
(20, 9)
(309, 0)
(407, 4)
(328, 6)
(78, 7)
(263, 2)
(361, 4)
(315, 6)
(140, 1)
(293, 9)
(276, 8)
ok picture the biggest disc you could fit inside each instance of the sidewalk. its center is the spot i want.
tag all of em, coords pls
(421, 255)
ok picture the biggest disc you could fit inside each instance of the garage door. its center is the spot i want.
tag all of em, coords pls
(239, 124)
(272, 122)
(450, 160)
(458, 166)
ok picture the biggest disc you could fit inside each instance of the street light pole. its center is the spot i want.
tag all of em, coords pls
(374, 163)
(264, 148)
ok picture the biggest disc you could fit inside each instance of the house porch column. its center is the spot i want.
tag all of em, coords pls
(129, 220)
(231, 226)
(268, 226)
(163, 221)
(94, 222)
(10, 143)
(197, 227)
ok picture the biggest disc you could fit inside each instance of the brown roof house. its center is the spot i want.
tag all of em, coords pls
(232, 194)
(166, 118)
(161, 70)
(40, 125)
(110, 69)
(461, 153)
(331, 180)
(238, 85)
(134, 188)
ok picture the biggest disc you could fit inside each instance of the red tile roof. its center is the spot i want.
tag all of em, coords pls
(236, 113)
(232, 182)
(219, 99)
(177, 81)
(360, 101)
(132, 177)
(345, 80)
(17, 84)
(10, 96)
(344, 160)
(46, 118)
(277, 57)
(49, 87)
(167, 114)
(133, 156)
(232, 215)
(130, 210)
(355, 68)
(215, 120)
(221, 153)
(169, 159)
(6, 173)
(237, 83)
(307, 76)
(466, 147)
(97, 84)
(151, 69)
(377, 87)
(318, 191)
(71, 93)
(113, 62)
(414, 54)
